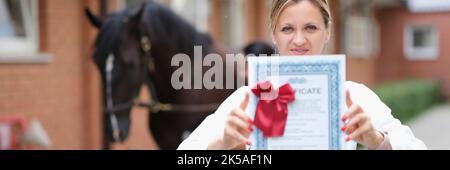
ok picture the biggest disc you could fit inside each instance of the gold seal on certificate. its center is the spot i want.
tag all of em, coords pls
(314, 117)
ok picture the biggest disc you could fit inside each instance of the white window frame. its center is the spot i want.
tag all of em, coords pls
(199, 17)
(200, 14)
(424, 53)
(361, 37)
(122, 4)
(14, 47)
(233, 24)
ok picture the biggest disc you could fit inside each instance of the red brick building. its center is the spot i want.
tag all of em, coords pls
(54, 82)
(430, 29)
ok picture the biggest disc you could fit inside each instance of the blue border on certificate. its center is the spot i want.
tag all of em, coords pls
(331, 69)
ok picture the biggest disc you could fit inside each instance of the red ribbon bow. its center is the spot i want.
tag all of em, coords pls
(271, 111)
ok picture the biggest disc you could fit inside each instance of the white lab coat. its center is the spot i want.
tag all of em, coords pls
(400, 136)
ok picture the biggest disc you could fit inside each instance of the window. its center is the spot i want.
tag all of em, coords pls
(362, 37)
(130, 3)
(428, 5)
(196, 12)
(361, 32)
(421, 43)
(18, 27)
(233, 23)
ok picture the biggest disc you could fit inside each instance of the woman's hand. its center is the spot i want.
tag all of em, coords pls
(359, 128)
(237, 129)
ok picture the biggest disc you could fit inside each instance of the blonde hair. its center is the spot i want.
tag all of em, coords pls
(279, 5)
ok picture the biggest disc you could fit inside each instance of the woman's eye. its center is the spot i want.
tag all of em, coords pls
(287, 29)
(311, 28)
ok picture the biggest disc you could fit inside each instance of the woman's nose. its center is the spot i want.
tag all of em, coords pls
(299, 39)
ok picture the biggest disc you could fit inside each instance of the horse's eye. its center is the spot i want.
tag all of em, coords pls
(129, 65)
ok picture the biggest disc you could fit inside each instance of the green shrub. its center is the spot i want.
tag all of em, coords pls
(408, 98)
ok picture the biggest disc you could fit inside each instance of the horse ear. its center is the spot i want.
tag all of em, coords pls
(95, 21)
(136, 14)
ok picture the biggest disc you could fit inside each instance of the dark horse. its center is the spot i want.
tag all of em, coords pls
(134, 48)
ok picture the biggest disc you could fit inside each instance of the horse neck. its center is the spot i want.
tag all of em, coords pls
(166, 93)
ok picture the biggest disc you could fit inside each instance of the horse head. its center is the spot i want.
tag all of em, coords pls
(136, 47)
(118, 55)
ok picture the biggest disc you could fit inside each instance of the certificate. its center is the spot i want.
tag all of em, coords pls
(314, 118)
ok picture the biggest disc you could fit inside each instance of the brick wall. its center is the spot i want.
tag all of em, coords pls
(360, 70)
(56, 92)
(392, 63)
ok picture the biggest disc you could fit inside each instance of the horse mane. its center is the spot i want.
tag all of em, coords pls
(167, 28)
(164, 27)
(108, 37)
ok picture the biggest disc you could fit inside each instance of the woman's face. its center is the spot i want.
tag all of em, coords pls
(301, 30)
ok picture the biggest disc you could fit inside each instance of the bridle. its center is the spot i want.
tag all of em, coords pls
(154, 106)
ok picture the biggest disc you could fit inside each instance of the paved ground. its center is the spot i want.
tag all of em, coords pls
(433, 127)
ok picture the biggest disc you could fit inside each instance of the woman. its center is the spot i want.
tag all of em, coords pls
(301, 28)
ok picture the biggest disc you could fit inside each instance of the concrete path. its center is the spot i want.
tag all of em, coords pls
(433, 127)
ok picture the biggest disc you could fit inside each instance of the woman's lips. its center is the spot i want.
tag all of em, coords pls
(299, 51)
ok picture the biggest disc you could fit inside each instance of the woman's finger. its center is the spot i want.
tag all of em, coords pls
(239, 124)
(348, 130)
(349, 100)
(245, 132)
(357, 120)
(359, 131)
(241, 114)
(244, 103)
(235, 135)
(352, 111)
